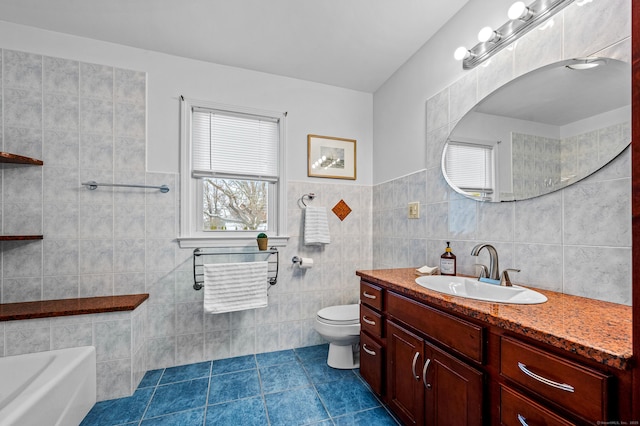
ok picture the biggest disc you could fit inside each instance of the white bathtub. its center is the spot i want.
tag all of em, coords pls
(48, 388)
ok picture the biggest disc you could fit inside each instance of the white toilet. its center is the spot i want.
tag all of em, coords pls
(340, 326)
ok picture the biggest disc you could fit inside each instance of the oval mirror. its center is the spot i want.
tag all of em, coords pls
(542, 131)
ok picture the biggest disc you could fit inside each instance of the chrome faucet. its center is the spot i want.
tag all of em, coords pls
(494, 269)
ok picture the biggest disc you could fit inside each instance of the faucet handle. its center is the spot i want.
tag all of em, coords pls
(484, 272)
(505, 280)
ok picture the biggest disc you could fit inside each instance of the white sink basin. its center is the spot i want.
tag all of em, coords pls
(473, 289)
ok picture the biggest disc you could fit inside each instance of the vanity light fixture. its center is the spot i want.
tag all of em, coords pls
(522, 19)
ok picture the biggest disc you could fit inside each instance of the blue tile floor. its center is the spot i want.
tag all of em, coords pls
(292, 387)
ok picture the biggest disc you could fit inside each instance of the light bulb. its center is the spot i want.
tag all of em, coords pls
(518, 10)
(485, 34)
(461, 53)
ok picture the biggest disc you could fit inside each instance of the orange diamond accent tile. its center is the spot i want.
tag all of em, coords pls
(341, 210)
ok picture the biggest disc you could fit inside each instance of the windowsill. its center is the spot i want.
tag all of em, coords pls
(228, 241)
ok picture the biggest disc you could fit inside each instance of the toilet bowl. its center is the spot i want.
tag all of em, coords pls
(340, 326)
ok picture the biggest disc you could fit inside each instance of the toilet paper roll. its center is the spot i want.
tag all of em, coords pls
(306, 262)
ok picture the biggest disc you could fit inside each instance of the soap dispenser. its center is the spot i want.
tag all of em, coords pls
(448, 262)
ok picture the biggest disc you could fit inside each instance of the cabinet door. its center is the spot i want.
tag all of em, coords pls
(405, 392)
(453, 390)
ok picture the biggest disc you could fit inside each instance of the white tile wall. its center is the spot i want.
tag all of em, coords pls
(177, 331)
(576, 240)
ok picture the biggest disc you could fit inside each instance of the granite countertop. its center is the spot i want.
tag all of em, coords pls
(66, 307)
(597, 330)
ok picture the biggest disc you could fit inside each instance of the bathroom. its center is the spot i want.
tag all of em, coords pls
(116, 241)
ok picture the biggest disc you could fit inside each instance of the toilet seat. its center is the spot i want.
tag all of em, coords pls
(340, 314)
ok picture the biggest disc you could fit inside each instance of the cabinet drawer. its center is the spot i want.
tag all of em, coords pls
(577, 388)
(371, 362)
(516, 409)
(457, 334)
(370, 321)
(371, 295)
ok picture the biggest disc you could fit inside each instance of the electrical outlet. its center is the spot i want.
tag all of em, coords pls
(414, 210)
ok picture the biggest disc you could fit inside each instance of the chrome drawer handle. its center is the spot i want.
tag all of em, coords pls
(424, 374)
(522, 420)
(369, 296)
(368, 321)
(413, 366)
(369, 351)
(562, 386)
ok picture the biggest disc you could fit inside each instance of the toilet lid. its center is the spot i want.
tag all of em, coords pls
(340, 314)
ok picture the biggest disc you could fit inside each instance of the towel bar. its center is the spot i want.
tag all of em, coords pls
(94, 185)
(198, 262)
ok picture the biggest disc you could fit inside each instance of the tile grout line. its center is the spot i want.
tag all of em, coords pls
(206, 401)
(155, 387)
(315, 389)
(262, 394)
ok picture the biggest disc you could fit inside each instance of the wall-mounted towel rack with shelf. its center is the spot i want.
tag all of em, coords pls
(224, 255)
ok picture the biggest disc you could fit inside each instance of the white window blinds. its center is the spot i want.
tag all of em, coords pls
(470, 166)
(226, 144)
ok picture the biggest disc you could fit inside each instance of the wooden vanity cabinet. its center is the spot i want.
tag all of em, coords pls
(422, 383)
(436, 367)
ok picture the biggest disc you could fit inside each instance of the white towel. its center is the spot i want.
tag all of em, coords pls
(230, 287)
(316, 226)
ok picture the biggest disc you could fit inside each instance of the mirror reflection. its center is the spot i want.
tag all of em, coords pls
(542, 131)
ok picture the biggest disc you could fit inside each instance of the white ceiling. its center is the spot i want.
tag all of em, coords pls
(356, 44)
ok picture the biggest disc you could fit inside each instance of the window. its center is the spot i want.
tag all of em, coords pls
(470, 167)
(231, 174)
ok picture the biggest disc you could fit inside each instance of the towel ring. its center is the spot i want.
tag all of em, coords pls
(310, 196)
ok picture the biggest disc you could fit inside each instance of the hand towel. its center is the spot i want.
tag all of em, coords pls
(316, 226)
(230, 287)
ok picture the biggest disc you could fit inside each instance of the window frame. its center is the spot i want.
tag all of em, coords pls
(191, 203)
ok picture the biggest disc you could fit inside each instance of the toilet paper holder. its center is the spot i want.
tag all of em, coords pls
(302, 262)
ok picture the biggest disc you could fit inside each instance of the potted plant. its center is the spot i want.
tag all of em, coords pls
(263, 241)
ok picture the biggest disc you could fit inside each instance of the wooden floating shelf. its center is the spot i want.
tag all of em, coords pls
(20, 237)
(7, 157)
